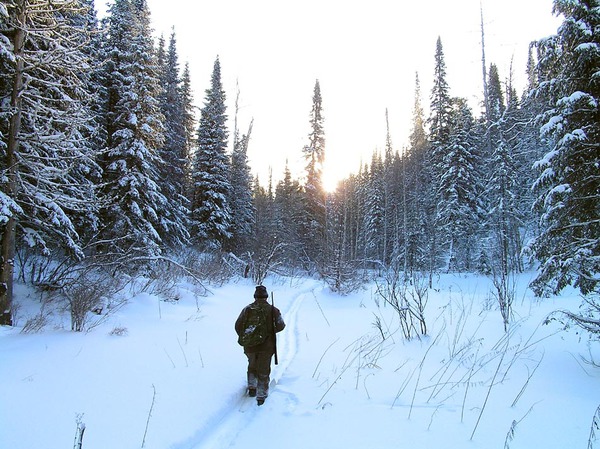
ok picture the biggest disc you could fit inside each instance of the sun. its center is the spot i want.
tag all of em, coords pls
(333, 173)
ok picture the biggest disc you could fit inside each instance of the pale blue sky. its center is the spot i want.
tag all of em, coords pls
(364, 53)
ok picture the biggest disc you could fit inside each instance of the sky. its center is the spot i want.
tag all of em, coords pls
(365, 55)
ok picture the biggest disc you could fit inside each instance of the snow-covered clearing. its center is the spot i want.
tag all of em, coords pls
(170, 374)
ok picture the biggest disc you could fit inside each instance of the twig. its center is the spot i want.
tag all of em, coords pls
(322, 313)
(492, 383)
(529, 376)
(420, 369)
(471, 372)
(511, 432)
(337, 378)
(365, 384)
(149, 415)
(432, 416)
(201, 359)
(595, 426)
(183, 352)
(322, 356)
(172, 362)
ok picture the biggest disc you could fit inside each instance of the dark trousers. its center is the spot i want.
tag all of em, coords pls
(259, 370)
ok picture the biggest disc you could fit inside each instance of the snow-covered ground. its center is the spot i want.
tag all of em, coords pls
(164, 375)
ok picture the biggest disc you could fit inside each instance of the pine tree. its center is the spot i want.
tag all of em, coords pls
(189, 127)
(440, 106)
(568, 185)
(240, 195)
(414, 175)
(440, 122)
(504, 220)
(265, 245)
(137, 217)
(174, 150)
(288, 215)
(47, 162)
(315, 202)
(529, 147)
(340, 269)
(459, 208)
(392, 190)
(374, 215)
(210, 210)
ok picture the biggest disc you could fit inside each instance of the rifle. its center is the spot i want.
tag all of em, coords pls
(274, 331)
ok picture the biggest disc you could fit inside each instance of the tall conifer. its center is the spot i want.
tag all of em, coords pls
(211, 211)
(568, 185)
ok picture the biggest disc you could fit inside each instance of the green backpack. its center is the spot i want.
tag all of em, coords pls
(255, 330)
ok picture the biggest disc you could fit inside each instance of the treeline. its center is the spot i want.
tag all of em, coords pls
(105, 166)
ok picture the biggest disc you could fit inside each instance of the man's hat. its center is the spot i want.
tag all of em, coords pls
(261, 292)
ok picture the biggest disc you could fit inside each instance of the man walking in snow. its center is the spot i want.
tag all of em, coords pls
(256, 328)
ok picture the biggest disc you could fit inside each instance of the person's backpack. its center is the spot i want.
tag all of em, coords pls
(255, 330)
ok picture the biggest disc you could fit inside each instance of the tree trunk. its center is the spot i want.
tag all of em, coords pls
(9, 231)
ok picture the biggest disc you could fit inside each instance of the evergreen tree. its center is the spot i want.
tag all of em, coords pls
(529, 147)
(340, 270)
(189, 127)
(414, 172)
(393, 188)
(459, 208)
(374, 215)
(495, 100)
(137, 216)
(315, 202)
(440, 106)
(265, 246)
(47, 162)
(174, 150)
(502, 224)
(440, 122)
(240, 195)
(288, 214)
(569, 180)
(211, 211)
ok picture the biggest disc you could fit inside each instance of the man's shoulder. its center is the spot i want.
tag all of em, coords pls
(258, 305)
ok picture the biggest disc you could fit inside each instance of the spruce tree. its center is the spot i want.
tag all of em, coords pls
(375, 211)
(568, 185)
(240, 195)
(315, 195)
(459, 208)
(440, 122)
(137, 216)
(265, 246)
(189, 127)
(174, 150)
(414, 175)
(393, 189)
(211, 211)
(288, 215)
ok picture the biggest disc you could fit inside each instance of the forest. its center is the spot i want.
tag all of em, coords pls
(107, 172)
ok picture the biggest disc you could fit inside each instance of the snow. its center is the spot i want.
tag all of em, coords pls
(171, 374)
